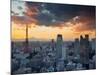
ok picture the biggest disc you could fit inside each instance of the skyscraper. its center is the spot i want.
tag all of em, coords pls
(93, 42)
(76, 46)
(53, 44)
(84, 51)
(59, 46)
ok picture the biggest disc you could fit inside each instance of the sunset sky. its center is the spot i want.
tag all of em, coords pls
(46, 20)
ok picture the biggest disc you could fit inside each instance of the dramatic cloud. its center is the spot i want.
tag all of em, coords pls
(62, 14)
(58, 15)
(86, 23)
(28, 16)
(31, 10)
(51, 18)
(44, 16)
(23, 20)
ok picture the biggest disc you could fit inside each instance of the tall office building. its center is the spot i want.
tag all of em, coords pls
(93, 43)
(60, 53)
(59, 46)
(76, 46)
(85, 51)
(53, 44)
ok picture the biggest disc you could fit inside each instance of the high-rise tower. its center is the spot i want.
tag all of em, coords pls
(59, 46)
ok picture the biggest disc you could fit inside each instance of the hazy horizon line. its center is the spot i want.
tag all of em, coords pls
(22, 40)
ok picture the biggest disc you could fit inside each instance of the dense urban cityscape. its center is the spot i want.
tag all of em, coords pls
(52, 37)
(53, 56)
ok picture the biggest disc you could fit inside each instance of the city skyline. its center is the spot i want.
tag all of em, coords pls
(51, 37)
(46, 20)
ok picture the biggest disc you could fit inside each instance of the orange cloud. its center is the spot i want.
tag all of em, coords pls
(31, 11)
